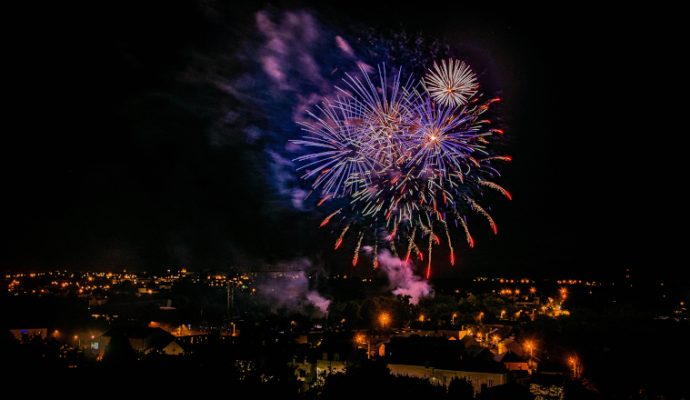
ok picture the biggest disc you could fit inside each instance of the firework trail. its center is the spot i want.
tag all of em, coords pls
(401, 158)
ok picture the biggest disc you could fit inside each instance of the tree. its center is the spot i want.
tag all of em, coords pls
(460, 389)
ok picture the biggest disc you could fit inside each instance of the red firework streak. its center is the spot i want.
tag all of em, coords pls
(328, 218)
(392, 234)
(323, 200)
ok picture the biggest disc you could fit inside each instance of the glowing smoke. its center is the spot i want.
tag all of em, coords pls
(402, 279)
(290, 289)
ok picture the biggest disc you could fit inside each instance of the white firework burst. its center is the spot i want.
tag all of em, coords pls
(452, 83)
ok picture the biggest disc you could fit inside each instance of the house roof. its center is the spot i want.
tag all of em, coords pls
(440, 353)
(136, 332)
(509, 356)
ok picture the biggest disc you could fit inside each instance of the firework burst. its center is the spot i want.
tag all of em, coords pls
(405, 166)
(452, 83)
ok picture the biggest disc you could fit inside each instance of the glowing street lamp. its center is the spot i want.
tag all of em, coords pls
(564, 293)
(362, 339)
(530, 346)
(384, 319)
(575, 365)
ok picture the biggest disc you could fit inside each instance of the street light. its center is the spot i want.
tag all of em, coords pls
(574, 362)
(384, 319)
(530, 346)
(361, 339)
(564, 293)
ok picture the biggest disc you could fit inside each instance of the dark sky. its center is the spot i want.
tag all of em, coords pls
(112, 155)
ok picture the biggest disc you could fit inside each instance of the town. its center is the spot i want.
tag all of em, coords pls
(482, 336)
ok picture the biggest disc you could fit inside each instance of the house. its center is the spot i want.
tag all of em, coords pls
(513, 362)
(173, 349)
(143, 340)
(29, 333)
(440, 361)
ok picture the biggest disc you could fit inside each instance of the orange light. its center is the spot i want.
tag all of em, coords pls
(360, 338)
(384, 319)
(564, 293)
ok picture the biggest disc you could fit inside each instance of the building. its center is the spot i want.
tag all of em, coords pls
(441, 360)
(29, 333)
(143, 340)
(440, 376)
(513, 362)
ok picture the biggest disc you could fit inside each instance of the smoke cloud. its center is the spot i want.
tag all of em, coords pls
(290, 289)
(402, 279)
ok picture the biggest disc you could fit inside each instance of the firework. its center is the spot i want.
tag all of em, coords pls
(401, 163)
(451, 84)
(337, 163)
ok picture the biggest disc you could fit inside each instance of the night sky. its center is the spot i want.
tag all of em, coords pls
(145, 138)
